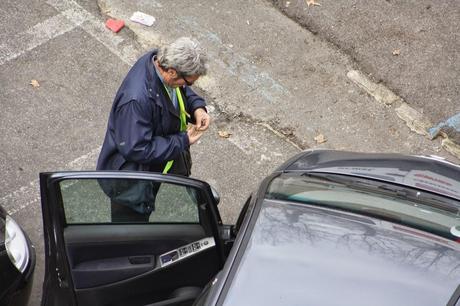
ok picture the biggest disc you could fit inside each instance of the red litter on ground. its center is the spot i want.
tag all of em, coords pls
(115, 25)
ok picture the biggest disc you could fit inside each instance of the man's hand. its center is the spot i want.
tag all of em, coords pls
(202, 119)
(193, 134)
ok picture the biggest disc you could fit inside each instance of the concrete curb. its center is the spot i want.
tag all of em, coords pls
(415, 120)
(380, 93)
(451, 147)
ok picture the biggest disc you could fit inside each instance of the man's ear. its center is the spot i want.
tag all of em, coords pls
(173, 73)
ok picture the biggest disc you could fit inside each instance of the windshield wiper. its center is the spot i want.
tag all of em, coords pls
(455, 298)
(404, 192)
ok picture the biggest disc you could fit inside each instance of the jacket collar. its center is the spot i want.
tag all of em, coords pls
(155, 86)
(153, 81)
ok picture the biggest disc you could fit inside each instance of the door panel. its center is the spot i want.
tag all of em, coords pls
(98, 257)
(155, 286)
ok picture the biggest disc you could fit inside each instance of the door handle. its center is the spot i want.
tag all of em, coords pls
(140, 260)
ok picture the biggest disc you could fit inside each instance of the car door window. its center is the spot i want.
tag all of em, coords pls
(123, 200)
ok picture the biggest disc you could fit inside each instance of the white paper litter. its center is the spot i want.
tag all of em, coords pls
(142, 18)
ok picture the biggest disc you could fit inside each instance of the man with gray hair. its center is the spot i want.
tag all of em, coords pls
(156, 116)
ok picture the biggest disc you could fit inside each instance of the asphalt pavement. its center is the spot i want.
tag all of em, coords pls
(411, 47)
(274, 88)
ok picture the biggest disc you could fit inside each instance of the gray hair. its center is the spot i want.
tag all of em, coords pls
(185, 56)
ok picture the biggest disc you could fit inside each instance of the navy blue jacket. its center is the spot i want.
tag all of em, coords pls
(143, 131)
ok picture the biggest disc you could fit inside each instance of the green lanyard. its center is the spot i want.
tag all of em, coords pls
(183, 121)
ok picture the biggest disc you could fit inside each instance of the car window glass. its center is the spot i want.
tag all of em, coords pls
(438, 219)
(128, 201)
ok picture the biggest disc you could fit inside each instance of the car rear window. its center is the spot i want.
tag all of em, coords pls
(435, 216)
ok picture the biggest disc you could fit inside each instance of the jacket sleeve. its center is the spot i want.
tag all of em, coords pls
(194, 101)
(134, 140)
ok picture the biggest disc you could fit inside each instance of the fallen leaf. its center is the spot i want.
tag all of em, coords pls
(224, 134)
(312, 2)
(320, 138)
(34, 83)
(287, 131)
(396, 52)
(393, 131)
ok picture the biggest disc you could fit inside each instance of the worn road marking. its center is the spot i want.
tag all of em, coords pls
(96, 28)
(81, 162)
(225, 57)
(35, 36)
(71, 16)
(30, 194)
(238, 65)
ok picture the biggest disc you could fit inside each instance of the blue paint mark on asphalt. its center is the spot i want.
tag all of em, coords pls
(451, 123)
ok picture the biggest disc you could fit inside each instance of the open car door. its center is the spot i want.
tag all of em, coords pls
(128, 238)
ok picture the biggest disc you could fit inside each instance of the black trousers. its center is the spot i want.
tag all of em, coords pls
(123, 214)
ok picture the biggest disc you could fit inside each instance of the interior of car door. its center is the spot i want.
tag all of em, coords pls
(100, 255)
(164, 260)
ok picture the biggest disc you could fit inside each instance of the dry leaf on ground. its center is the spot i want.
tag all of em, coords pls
(320, 138)
(34, 83)
(312, 2)
(224, 134)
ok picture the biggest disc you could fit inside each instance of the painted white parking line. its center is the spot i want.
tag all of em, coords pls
(30, 194)
(86, 161)
(70, 17)
(21, 198)
(35, 36)
(235, 64)
(96, 28)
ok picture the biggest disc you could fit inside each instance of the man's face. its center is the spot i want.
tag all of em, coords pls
(175, 79)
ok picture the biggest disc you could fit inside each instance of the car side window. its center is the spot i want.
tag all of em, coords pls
(92, 201)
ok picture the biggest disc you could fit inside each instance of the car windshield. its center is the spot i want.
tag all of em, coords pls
(414, 208)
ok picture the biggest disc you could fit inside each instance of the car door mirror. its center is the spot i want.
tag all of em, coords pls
(215, 195)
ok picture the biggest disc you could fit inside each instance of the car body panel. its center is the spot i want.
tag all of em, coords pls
(303, 255)
(15, 287)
